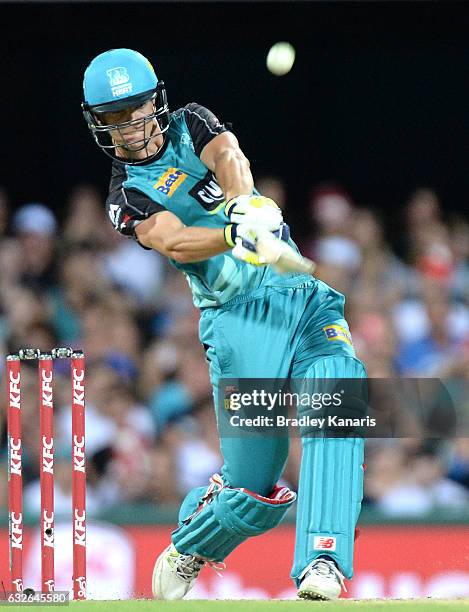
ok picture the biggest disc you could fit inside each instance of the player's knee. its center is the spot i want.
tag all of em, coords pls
(248, 514)
(256, 481)
(239, 510)
(256, 467)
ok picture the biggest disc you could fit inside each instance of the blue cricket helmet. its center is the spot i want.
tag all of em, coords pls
(118, 77)
(116, 80)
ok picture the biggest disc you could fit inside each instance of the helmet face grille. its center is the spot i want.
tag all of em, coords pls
(158, 120)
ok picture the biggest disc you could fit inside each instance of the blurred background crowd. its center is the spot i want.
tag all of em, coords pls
(151, 432)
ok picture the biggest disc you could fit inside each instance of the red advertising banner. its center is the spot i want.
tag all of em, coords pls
(396, 562)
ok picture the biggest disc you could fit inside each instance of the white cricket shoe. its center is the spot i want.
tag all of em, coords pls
(321, 580)
(174, 574)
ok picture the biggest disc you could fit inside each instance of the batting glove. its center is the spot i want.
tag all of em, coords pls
(256, 210)
(233, 231)
(245, 240)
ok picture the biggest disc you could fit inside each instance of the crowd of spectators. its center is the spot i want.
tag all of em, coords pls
(151, 431)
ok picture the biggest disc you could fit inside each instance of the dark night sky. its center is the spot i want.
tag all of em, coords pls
(378, 98)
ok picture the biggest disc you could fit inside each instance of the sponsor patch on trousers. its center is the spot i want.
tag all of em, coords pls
(337, 332)
(324, 543)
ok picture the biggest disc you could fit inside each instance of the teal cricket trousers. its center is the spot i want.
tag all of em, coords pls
(279, 332)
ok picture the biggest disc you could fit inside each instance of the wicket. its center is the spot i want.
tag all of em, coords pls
(15, 478)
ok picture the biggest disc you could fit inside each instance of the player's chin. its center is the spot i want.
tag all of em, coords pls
(134, 150)
(127, 154)
(134, 144)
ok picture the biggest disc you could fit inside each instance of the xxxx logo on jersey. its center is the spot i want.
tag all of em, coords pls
(171, 180)
(337, 332)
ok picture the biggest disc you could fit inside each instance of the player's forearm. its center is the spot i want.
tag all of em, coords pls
(190, 244)
(233, 173)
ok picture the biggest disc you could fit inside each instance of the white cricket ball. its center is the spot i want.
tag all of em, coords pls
(280, 58)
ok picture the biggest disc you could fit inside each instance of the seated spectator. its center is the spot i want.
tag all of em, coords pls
(381, 271)
(197, 456)
(35, 227)
(423, 214)
(24, 309)
(272, 187)
(331, 209)
(338, 261)
(411, 486)
(441, 343)
(62, 490)
(458, 462)
(86, 222)
(136, 271)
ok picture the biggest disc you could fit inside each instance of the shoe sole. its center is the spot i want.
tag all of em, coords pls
(313, 596)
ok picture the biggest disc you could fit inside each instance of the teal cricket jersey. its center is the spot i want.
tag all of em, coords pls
(178, 181)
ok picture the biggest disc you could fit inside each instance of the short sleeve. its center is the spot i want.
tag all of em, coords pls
(127, 207)
(203, 125)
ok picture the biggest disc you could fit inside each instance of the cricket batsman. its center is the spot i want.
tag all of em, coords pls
(181, 185)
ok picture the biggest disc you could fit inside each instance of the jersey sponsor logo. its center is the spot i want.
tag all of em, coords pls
(324, 543)
(171, 180)
(337, 332)
(208, 192)
(119, 80)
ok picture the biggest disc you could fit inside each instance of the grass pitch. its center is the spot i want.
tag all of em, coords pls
(424, 605)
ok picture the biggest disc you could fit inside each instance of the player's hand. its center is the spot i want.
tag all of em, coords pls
(246, 239)
(247, 236)
(254, 210)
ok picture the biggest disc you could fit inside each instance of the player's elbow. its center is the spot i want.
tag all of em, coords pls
(232, 155)
(174, 249)
(180, 256)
